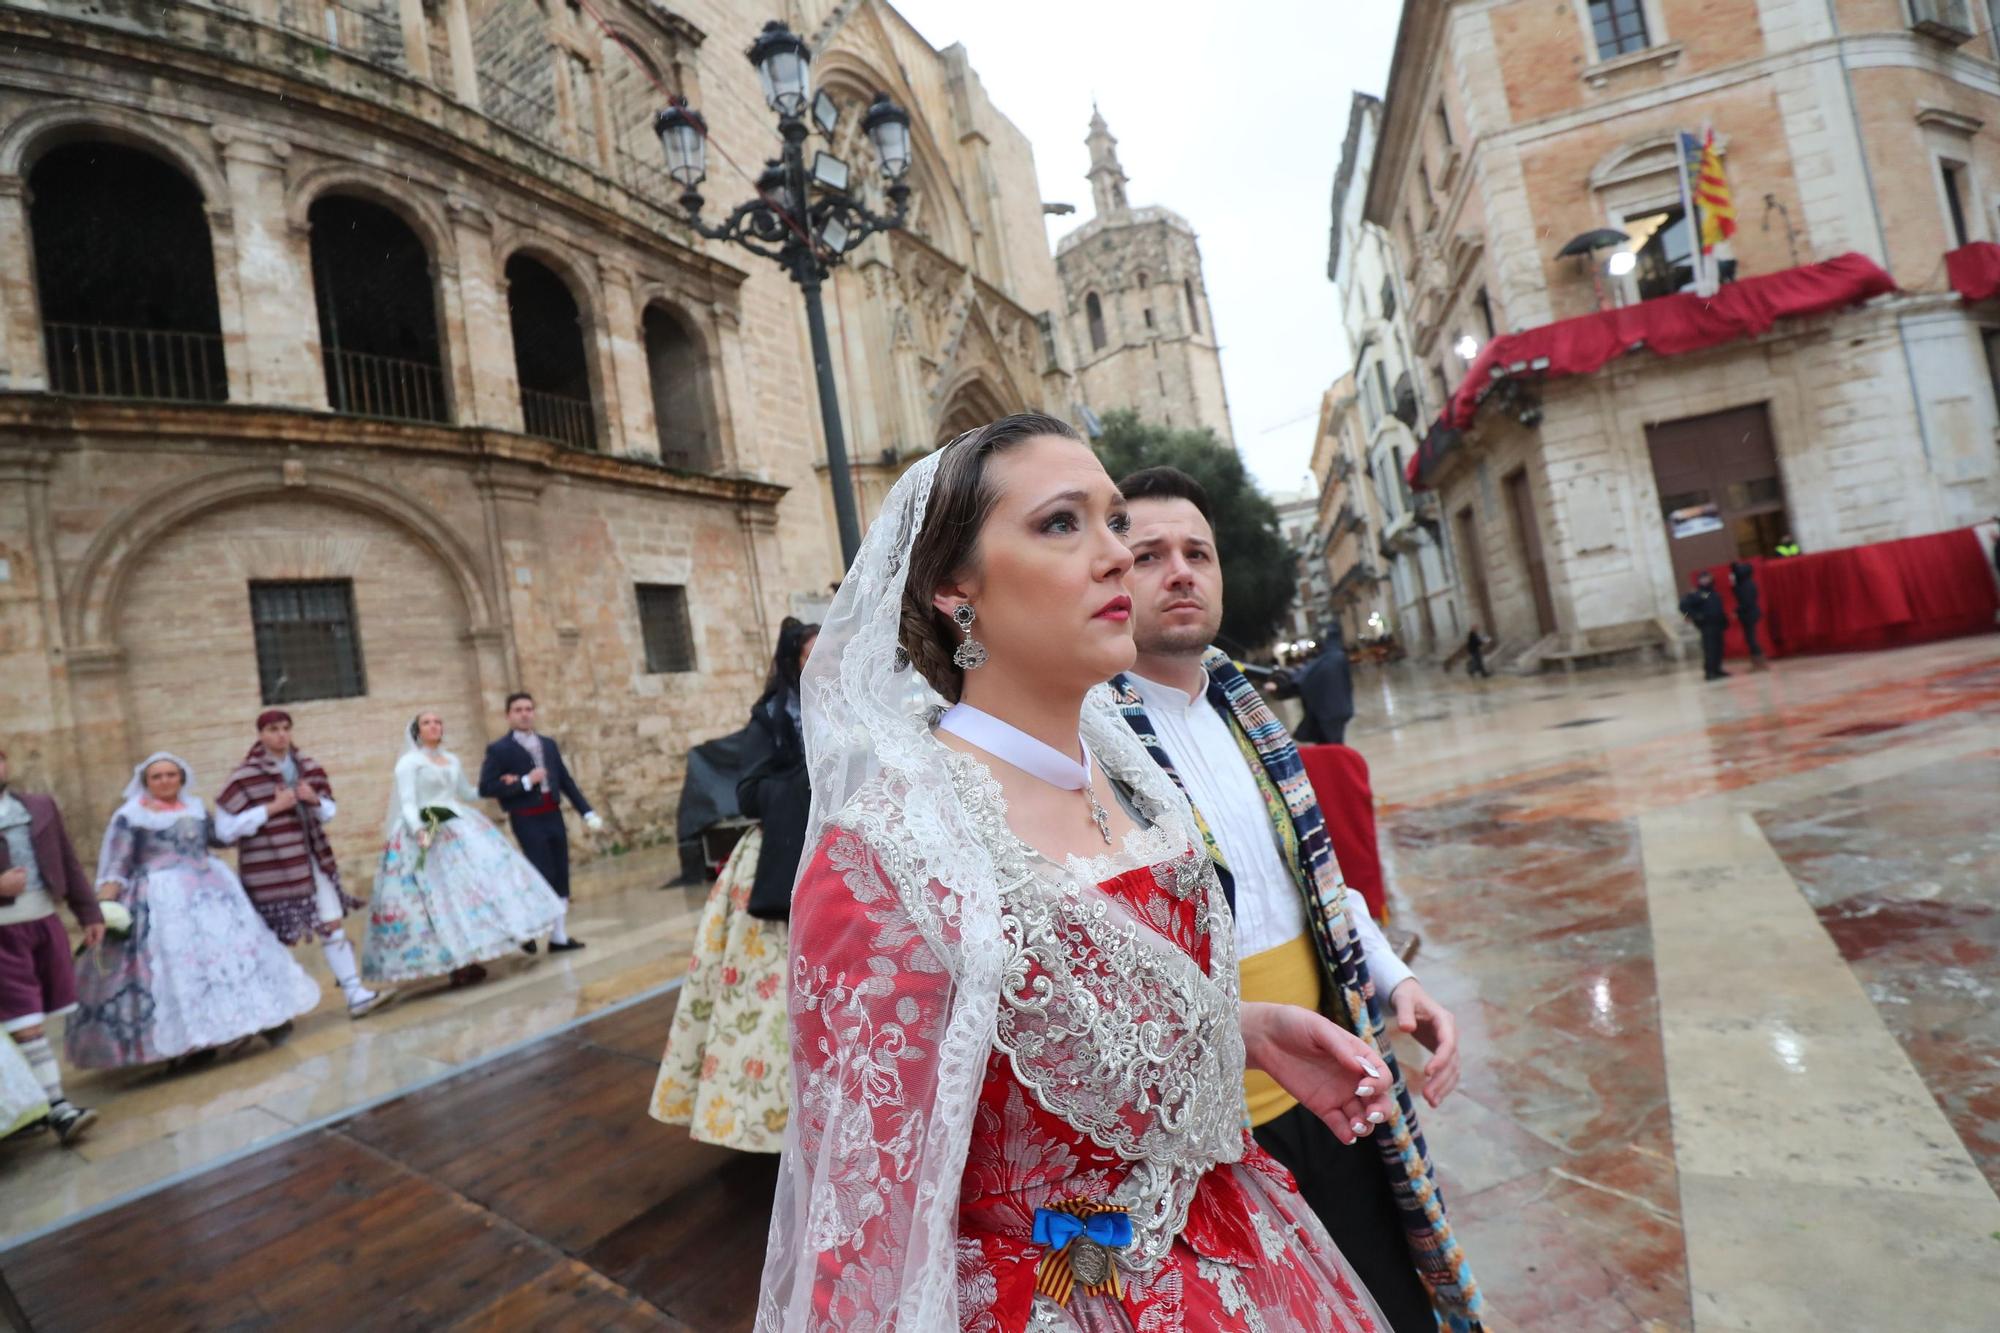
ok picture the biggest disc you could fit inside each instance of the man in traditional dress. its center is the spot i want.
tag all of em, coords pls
(524, 771)
(287, 867)
(37, 866)
(1303, 937)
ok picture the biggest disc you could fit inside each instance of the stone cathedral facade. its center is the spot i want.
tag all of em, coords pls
(1139, 316)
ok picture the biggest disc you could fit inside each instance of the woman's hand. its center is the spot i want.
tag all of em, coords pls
(1333, 1073)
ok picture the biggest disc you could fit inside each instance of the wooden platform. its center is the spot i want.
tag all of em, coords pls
(530, 1193)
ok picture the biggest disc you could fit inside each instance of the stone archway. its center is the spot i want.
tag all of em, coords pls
(182, 623)
(971, 405)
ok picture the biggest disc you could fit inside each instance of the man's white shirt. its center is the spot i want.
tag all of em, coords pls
(1269, 910)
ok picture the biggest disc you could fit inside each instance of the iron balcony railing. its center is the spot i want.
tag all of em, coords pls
(103, 361)
(558, 417)
(362, 384)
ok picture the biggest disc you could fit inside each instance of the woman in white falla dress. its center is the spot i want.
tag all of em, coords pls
(199, 968)
(451, 891)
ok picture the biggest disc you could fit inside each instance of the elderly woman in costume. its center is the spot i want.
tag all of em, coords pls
(451, 892)
(727, 1072)
(198, 969)
(287, 866)
(1018, 1043)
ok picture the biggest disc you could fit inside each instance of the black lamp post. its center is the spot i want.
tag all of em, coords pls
(805, 216)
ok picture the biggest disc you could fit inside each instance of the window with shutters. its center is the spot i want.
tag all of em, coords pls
(308, 645)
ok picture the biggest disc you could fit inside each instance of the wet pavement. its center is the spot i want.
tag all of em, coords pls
(1723, 956)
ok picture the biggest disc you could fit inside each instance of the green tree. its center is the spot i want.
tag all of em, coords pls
(1258, 572)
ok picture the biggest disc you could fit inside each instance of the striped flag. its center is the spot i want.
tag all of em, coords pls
(1711, 195)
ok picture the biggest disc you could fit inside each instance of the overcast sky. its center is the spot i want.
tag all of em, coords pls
(1232, 116)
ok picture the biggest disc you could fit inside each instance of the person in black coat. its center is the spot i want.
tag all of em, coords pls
(777, 792)
(1475, 654)
(1704, 610)
(524, 771)
(1325, 687)
(1749, 609)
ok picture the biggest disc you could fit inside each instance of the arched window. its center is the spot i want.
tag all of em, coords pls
(549, 358)
(1194, 312)
(1093, 310)
(126, 276)
(377, 318)
(679, 374)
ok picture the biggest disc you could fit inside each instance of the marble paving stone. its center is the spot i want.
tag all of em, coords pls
(1800, 1256)
(1904, 874)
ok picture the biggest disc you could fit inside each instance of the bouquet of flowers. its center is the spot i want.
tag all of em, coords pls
(117, 917)
(435, 817)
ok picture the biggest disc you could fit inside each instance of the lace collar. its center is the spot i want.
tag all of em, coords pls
(1109, 1026)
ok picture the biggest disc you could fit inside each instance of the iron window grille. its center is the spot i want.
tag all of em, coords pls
(308, 642)
(665, 628)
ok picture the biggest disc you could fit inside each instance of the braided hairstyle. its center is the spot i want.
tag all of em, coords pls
(962, 495)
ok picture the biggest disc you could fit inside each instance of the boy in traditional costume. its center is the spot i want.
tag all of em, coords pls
(38, 866)
(287, 867)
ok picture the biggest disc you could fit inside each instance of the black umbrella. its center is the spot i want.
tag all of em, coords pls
(1603, 238)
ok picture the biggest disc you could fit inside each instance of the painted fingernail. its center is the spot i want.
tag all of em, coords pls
(1370, 1070)
(1360, 1130)
(1374, 1117)
(1364, 1091)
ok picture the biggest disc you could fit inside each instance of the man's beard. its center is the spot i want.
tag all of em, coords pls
(1186, 641)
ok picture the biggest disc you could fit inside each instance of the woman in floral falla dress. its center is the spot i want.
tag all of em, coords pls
(451, 892)
(1017, 1044)
(727, 1073)
(199, 969)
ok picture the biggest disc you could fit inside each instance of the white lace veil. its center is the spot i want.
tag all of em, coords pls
(867, 720)
(136, 788)
(393, 819)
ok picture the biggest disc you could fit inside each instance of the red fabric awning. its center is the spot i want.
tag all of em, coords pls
(1974, 270)
(1666, 325)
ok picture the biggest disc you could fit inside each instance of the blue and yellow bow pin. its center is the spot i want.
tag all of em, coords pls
(1080, 1235)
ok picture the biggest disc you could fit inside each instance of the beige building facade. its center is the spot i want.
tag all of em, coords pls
(1138, 310)
(1854, 126)
(1358, 596)
(353, 357)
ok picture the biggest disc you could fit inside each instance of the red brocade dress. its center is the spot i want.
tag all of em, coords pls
(1115, 1077)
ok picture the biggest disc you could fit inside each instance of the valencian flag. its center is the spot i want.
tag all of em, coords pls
(1715, 208)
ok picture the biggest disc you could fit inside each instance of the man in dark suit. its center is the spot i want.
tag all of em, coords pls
(1703, 608)
(524, 771)
(38, 869)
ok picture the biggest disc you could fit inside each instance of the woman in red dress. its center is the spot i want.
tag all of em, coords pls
(1017, 1044)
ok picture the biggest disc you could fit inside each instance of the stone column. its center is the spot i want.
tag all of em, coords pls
(416, 39)
(464, 66)
(22, 364)
(625, 346)
(485, 389)
(274, 350)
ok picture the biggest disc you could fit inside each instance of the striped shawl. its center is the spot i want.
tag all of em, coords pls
(1275, 759)
(276, 863)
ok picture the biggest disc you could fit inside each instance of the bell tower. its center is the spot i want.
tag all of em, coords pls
(1107, 178)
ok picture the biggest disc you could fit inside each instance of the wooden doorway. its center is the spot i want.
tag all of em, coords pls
(1528, 536)
(1465, 529)
(1721, 497)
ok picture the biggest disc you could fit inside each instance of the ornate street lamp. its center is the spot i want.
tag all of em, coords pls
(806, 215)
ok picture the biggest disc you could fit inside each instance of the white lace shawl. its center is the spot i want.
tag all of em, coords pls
(1107, 1024)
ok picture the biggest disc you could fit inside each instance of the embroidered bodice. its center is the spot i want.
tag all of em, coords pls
(143, 841)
